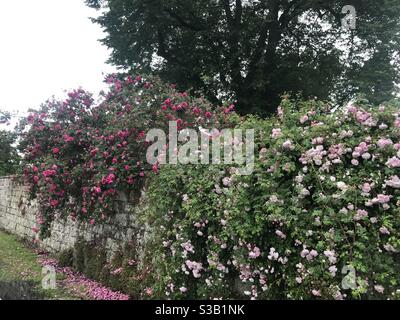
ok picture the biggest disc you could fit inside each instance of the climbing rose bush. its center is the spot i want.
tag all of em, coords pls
(323, 199)
(79, 155)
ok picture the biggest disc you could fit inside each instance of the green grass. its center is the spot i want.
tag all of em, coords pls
(19, 263)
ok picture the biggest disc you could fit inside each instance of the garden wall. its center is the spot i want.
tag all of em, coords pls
(17, 216)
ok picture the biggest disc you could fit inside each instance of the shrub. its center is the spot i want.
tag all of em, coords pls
(66, 258)
(79, 155)
(79, 256)
(123, 273)
(323, 199)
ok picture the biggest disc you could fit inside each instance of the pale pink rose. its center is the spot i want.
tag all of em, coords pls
(384, 230)
(304, 119)
(379, 288)
(316, 293)
(288, 145)
(276, 133)
(393, 182)
(393, 162)
(383, 142)
(366, 188)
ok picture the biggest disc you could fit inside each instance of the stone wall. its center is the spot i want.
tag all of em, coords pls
(18, 217)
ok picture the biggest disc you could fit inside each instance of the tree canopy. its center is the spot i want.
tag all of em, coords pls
(254, 51)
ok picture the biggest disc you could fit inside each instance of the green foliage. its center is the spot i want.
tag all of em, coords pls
(254, 51)
(79, 256)
(123, 273)
(9, 158)
(66, 258)
(324, 198)
(78, 156)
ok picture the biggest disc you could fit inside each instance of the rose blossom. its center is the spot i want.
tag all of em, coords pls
(366, 188)
(382, 199)
(304, 119)
(393, 162)
(379, 288)
(384, 230)
(383, 142)
(316, 293)
(276, 133)
(361, 214)
(255, 253)
(393, 182)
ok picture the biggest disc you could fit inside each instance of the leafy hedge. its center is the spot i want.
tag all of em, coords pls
(323, 199)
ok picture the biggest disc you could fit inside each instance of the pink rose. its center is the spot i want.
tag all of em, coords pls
(276, 133)
(54, 203)
(97, 189)
(393, 162)
(68, 138)
(382, 143)
(366, 188)
(255, 253)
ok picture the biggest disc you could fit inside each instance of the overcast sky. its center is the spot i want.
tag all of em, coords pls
(46, 47)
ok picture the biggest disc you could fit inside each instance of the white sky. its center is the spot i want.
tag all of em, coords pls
(47, 47)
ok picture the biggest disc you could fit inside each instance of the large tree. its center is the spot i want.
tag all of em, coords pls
(254, 51)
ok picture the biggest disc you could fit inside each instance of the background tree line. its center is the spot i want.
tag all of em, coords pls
(9, 158)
